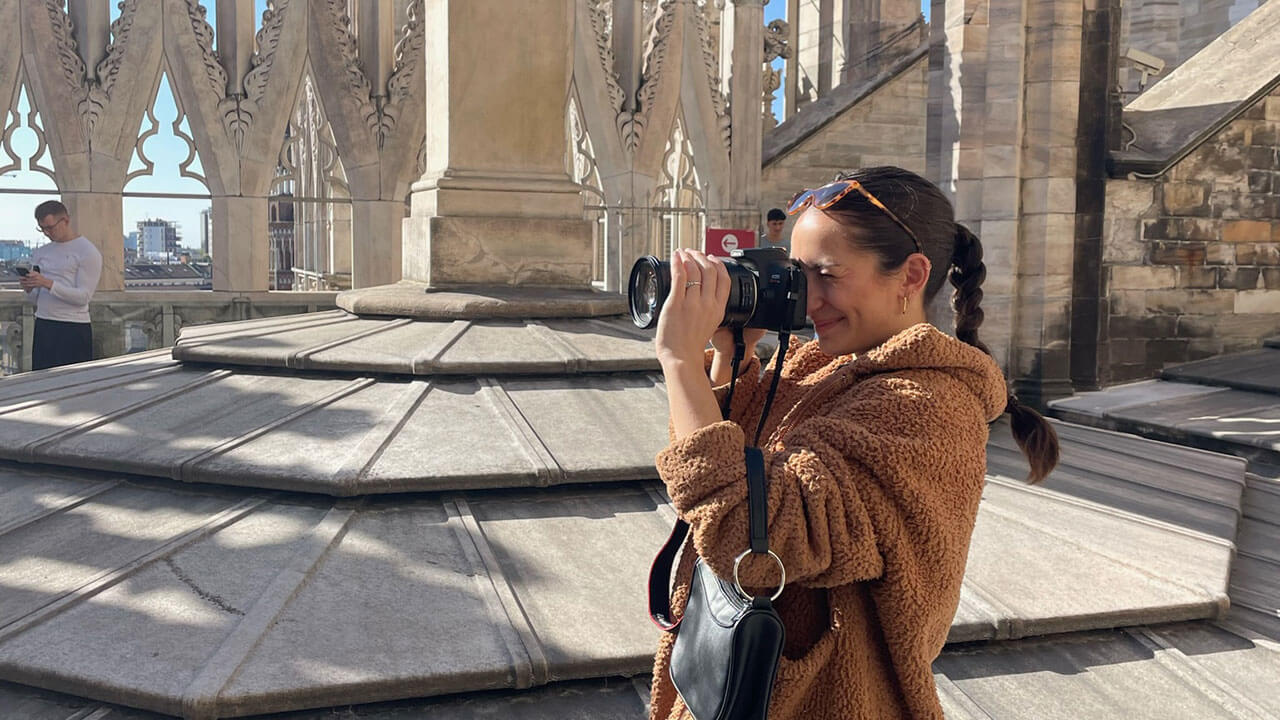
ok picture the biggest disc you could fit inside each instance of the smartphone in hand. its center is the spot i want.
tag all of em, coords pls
(22, 271)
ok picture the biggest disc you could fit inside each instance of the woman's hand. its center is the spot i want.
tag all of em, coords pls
(693, 311)
(694, 308)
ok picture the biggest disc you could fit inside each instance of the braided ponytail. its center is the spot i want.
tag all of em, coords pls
(1034, 435)
(967, 274)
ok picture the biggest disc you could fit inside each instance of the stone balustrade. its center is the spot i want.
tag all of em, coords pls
(125, 322)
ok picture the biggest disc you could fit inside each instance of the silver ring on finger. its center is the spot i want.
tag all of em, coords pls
(692, 283)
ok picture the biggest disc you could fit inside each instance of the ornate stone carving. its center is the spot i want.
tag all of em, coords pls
(380, 116)
(599, 11)
(657, 46)
(238, 112)
(775, 46)
(710, 63)
(213, 70)
(109, 69)
(406, 70)
(268, 41)
(92, 95)
(89, 103)
(357, 82)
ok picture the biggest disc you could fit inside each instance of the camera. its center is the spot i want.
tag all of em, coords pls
(766, 290)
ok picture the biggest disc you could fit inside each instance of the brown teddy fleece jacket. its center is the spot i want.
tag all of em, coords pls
(875, 468)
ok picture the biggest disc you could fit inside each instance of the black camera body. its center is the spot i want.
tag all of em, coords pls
(767, 290)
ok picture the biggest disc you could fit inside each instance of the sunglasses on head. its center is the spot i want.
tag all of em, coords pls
(828, 195)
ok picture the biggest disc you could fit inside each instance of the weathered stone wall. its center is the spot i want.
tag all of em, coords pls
(885, 128)
(1193, 257)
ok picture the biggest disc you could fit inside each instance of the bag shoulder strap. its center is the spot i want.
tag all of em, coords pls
(757, 518)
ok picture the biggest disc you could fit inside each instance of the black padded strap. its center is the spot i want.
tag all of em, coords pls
(757, 501)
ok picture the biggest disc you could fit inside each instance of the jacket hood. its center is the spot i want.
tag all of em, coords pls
(920, 346)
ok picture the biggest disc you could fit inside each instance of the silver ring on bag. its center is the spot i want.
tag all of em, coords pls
(692, 283)
(782, 583)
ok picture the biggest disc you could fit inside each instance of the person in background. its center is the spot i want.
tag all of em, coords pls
(62, 280)
(774, 221)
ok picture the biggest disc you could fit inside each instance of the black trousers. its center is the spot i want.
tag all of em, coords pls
(60, 343)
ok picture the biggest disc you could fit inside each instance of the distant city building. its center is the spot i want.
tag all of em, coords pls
(206, 231)
(150, 276)
(131, 247)
(158, 239)
(13, 250)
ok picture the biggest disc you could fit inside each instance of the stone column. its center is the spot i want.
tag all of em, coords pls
(375, 258)
(746, 85)
(240, 247)
(496, 206)
(1006, 121)
(100, 218)
(1040, 360)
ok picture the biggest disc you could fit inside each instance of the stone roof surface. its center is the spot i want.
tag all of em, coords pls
(1228, 404)
(246, 531)
(1203, 93)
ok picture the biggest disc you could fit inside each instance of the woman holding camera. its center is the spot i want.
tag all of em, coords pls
(875, 447)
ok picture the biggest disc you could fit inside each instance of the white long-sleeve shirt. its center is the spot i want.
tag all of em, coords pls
(74, 267)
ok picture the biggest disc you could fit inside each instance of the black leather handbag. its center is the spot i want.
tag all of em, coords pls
(728, 642)
(727, 648)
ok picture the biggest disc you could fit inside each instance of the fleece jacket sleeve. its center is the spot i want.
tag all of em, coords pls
(846, 488)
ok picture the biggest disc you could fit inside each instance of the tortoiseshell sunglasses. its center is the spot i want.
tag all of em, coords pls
(828, 195)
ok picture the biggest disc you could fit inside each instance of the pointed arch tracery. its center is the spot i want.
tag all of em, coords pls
(25, 169)
(310, 201)
(679, 201)
(152, 132)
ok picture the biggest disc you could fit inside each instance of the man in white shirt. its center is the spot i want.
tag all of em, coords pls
(63, 276)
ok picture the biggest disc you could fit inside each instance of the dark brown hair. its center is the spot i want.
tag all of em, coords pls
(50, 208)
(956, 254)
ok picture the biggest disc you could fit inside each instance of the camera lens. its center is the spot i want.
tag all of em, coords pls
(648, 289)
(766, 290)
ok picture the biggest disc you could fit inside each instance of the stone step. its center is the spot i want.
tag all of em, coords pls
(615, 698)
(229, 602)
(346, 436)
(1256, 371)
(1192, 489)
(345, 343)
(1188, 670)
(1217, 419)
(1170, 671)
